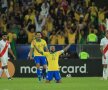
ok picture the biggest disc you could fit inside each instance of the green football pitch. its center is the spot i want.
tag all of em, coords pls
(74, 83)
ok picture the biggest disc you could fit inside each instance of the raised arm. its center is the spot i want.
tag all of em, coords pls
(43, 21)
(67, 47)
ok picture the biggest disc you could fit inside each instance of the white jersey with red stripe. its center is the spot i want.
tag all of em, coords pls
(104, 43)
(5, 57)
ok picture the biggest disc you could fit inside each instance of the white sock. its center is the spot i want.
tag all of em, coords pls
(1, 71)
(105, 73)
(7, 72)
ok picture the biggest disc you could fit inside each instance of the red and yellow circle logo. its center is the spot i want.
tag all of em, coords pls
(11, 69)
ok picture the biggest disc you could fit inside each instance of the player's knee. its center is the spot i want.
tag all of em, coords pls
(38, 66)
(4, 67)
(45, 66)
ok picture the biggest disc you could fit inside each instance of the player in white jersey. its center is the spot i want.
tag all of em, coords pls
(4, 48)
(104, 50)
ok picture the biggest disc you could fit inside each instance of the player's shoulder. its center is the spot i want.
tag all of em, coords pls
(103, 39)
(58, 51)
(46, 53)
(43, 40)
(1, 41)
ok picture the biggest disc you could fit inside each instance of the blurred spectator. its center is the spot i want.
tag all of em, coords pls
(64, 4)
(81, 38)
(45, 9)
(22, 37)
(29, 16)
(53, 38)
(46, 15)
(60, 37)
(49, 24)
(45, 33)
(30, 31)
(71, 36)
(11, 6)
(15, 28)
(4, 6)
(4, 23)
(12, 37)
(38, 4)
(39, 23)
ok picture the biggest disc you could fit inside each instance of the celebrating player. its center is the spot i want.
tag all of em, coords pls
(39, 59)
(4, 47)
(104, 50)
(53, 66)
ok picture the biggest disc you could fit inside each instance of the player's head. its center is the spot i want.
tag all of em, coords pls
(52, 48)
(4, 36)
(106, 33)
(38, 35)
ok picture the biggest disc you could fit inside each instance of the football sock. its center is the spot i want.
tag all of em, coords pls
(39, 74)
(7, 72)
(1, 71)
(44, 73)
(105, 73)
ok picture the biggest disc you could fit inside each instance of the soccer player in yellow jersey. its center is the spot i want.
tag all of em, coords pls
(53, 66)
(39, 58)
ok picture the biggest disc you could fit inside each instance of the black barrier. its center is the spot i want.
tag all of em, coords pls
(68, 67)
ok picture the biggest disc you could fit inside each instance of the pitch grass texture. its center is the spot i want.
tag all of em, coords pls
(74, 83)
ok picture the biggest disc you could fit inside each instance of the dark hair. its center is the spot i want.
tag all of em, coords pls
(4, 33)
(38, 32)
(31, 26)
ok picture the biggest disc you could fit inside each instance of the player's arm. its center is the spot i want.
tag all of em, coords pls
(30, 53)
(46, 47)
(101, 48)
(64, 50)
(67, 47)
(11, 52)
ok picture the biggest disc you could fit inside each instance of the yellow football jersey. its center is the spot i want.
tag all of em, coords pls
(40, 45)
(53, 59)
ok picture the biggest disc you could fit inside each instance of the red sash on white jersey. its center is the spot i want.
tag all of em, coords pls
(105, 50)
(4, 49)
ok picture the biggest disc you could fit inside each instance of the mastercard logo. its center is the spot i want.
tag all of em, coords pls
(11, 69)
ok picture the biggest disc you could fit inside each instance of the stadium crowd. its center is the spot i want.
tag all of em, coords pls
(60, 21)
